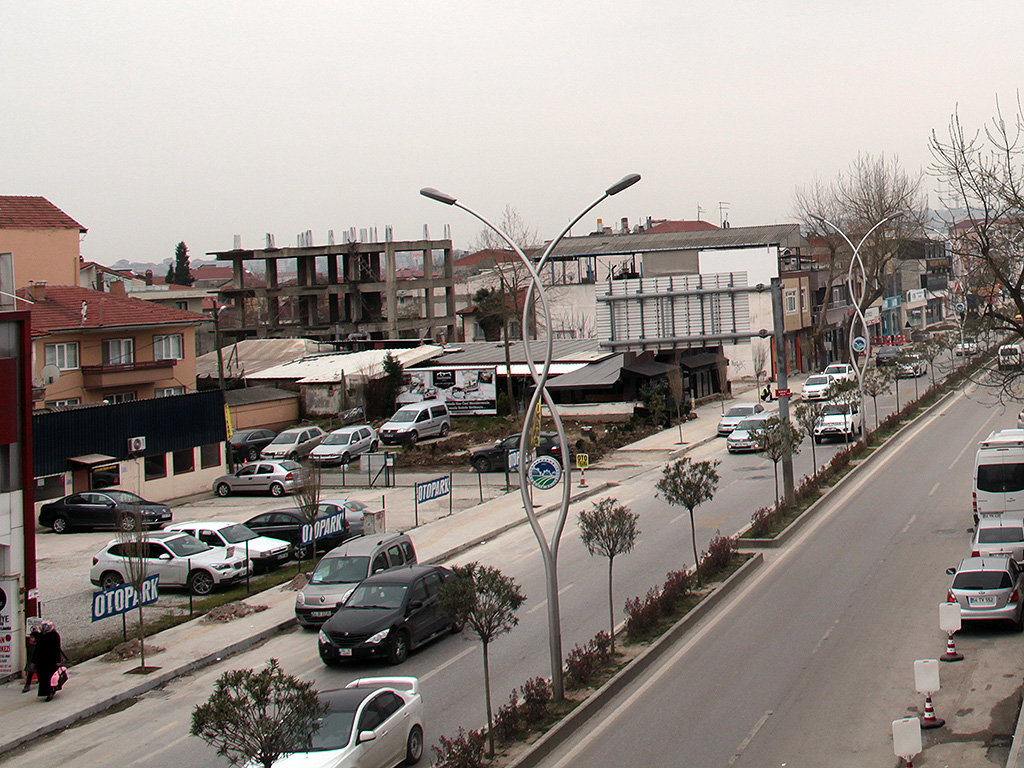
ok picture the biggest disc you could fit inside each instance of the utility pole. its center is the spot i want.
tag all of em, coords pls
(782, 384)
(220, 376)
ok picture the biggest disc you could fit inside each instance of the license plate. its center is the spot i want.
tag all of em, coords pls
(982, 602)
(320, 614)
(344, 651)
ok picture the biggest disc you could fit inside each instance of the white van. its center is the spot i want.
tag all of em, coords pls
(411, 422)
(999, 474)
(1010, 357)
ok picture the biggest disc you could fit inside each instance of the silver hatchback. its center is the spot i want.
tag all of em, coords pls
(273, 477)
(999, 537)
(988, 588)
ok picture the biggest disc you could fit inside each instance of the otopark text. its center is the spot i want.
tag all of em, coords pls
(324, 527)
(123, 598)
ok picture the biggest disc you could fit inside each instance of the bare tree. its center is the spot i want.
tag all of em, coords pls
(307, 499)
(759, 350)
(132, 542)
(875, 383)
(775, 438)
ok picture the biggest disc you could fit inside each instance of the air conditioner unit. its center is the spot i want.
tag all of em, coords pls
(136, 444)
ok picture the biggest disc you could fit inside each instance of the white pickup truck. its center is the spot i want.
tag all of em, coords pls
(839, 420)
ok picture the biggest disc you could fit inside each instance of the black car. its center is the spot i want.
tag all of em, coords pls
(887, 355)
(107, 508)
(495, 458)
(387, 615)
(286, 524)
(246, 444)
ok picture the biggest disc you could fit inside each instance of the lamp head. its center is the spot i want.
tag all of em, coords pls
(434, 194)
(624, 183)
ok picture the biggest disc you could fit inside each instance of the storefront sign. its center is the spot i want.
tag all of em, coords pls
(323, 527)
(123, 598)
(8, 604)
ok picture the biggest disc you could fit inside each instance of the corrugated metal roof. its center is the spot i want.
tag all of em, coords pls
(603, 373)
(493, 353)
(705, 240)
(258, 394)
(329, 368)
(251, 356)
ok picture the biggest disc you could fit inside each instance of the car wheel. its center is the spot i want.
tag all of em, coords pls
(414, 746)
(445, 429)
(455, 628)
(345, 458)
(398, 651)
(60, 524)
(127, 522)
(200, 583)
(817, 440)
(481, 464)
(1018, 625)
(110, 579)
(276, 489)
(223, 489)
(254, 454)
(413, 437)
(374, 446)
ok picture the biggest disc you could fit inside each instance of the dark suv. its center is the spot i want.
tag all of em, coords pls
(887, 355)
(387, 615)
(495, 458)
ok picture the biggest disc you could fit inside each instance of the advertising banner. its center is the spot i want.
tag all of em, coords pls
(466, 391)
(8, 603)
(433, 489)
(123, 598)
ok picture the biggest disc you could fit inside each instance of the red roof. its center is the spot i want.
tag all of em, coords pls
(213, 272)
(69, 307)
(33, 212)
(665, 225)
(489, 256)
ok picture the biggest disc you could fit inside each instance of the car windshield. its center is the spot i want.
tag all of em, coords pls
(290, 466)
(748, 424)
(836, 369)
(124, 497)
(335, 439)
(815, 381)
(740, 410)
(834, 410)
(1000, 535)
(377, 596)
(186, 546)
(340, 570)
(402, 416)
(335, 730)
(356, 506)
(285, 439)
(236, 534)
(982, 580)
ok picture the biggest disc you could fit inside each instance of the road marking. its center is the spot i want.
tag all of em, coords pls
(153, 753)
(909, 523)
(934, 488)
(677, 518)
(750, 737)
(544, 602)
(452, 660)
(165, 727)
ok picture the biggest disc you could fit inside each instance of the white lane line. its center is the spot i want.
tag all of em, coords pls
(452, 660)
(677, 518)
(910, 522)
(544, 602)
(150, 754)
(934, 488)
(165, 727)
(750, 737)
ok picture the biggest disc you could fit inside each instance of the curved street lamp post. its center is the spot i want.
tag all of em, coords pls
(548, 550)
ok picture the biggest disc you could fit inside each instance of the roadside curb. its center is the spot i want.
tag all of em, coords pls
(561, 731)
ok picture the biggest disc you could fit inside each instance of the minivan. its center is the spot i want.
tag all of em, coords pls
(411, 422)
(999, 474)
(344, 567)
(1009, 357)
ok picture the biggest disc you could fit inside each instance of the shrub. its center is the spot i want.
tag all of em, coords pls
(643, 615)
(584, 662)
(536, 696)
(508, 722)
(678, 585)
(718, 556)
(466, 750)
(762, 521)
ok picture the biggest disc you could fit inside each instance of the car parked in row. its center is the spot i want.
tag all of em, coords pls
(965, 348)
(744, 437)
(109, 508)
(286, 524)
(1001, 536)
(910, 366)
(839, 420)
(343, 445)
(887, 355)
(263, 552)
(840, 372)
(735, 415)
(294, 443)
(417, 420)
(495, 458)
(386, 616)
(274, 477)
(352, 509)
(179, 559)
(988, 589)
(246, 444)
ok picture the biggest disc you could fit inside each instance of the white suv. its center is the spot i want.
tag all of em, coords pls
(180, 560)
(265, 553)
(840, 372)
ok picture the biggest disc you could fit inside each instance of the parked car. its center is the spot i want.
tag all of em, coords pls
(265, 553)
(988, 588)
(386, 616)
(841, 420)
(965, 348)
(495, 457)
(999, 537)
(341, 570)
(411, 422)
(840, 372)
(246, 444)
(910, 366)
(1020, 419)
(742, 438)
(735, 415)
(294, 443)
(1009, 357)
(286, 524)
(816, 387)
(373, 722)
(886, 355)
(108, 508)
(354, 511)
(343, 445)
(273, 477)
(179, 559)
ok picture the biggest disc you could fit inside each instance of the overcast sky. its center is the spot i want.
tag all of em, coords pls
(154, 122)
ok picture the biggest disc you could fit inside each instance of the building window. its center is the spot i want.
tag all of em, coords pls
(209, 455)
(156, 466)
(181, 305)
(184, 461)
(170, 391)
(64, 355)
(118, 351)
(838, 295)
(64, 403)
(790, 302)
(168, 347)
(119, 397)
(803, 299)
(105, 477)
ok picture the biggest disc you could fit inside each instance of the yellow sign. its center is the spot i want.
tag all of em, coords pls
(582, 460)
(227, 423)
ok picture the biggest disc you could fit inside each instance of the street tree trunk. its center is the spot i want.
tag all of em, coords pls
(487, 694)
(696, 557)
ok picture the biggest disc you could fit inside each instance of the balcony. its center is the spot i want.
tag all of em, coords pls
(125, 374)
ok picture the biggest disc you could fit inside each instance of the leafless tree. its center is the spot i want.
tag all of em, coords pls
(759, 351)
(307, 498)
(132, 542)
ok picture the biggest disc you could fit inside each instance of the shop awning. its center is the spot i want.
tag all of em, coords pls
(92, 459)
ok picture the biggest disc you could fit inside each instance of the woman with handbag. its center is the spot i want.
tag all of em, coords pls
(48, 656)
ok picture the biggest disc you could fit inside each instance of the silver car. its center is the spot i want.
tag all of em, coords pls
(999, 537)
(273, 477)
(343, 445)
(742, 438)
(294, 443)
(735, 415)
(988, 588)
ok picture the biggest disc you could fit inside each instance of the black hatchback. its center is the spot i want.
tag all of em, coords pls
(286, 524)
(246, 444)
(495, 458)
(102, 509)
(387, 615)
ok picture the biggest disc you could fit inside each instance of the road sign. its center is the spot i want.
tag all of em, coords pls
(123, 598)
(782, 393)
(513, 460)
(323, 527)
(582, 460)
(433, 489)
(960, 306)
(545, 472)
(860, 345)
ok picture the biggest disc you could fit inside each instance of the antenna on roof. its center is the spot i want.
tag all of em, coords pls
(723, 214)
(426, 232)
(447, 231)
(389, 234)
(700, 212)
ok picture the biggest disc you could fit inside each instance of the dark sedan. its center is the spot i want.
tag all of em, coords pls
(387, 615)
(286, 524)
(246, 444)
(108, 508)
(495, 458)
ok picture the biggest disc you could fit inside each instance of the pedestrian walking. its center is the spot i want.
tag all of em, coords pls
(47, 657)
(30, 648)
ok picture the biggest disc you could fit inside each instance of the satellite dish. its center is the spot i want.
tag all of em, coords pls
(49, 374)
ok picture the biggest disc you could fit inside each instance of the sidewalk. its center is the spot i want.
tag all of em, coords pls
(97, 685)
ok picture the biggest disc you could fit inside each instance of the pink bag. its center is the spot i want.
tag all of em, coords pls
(60, 676)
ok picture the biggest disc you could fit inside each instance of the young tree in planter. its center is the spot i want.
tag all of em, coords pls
(307, 499)
(131, 537)
(807, 414)
(609, 529)
(930, 350)
(255, 717)
(485, 600)
(875, 383)
(774, 439)
(688, 483)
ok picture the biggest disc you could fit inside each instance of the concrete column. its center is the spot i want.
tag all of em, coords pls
(391, 290)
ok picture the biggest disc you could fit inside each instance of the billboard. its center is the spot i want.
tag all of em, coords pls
(466, 391)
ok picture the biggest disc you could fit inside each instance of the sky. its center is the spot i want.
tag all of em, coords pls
(157, 122)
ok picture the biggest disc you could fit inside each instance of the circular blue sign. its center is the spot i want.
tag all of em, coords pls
(859, 344)
(544, 473)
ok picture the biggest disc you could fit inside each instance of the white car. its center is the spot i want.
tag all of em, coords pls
(999, 537)
(343, 445)
(294, 443)
(817, 387)
(179, 559)
(265, 553)
(840, 372)
(742, 438)
(736, 414)
(965, 348)
(1020, 420)
(373, 722)
(842, 420)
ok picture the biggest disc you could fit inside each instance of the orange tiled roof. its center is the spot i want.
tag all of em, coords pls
(33, 212)
(69, 307)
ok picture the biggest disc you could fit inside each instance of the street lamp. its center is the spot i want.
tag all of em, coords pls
(548, 550)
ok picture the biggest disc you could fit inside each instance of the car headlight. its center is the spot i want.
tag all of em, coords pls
(222, 566)
(374, 639)
(300, 599)
(323, 638)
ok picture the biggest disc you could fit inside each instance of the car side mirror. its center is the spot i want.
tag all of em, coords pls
(950, 571)
(415, 605)
(164, 556)
(366, 736)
